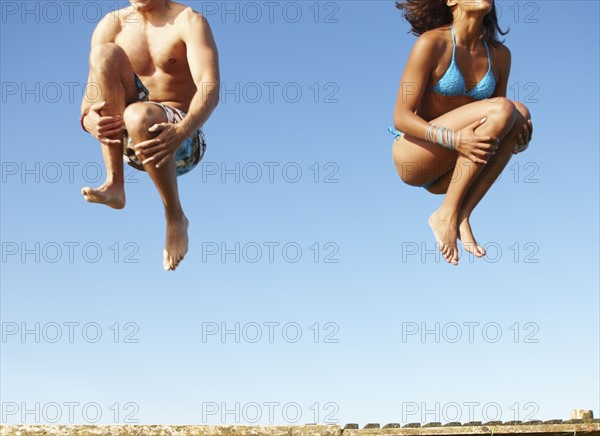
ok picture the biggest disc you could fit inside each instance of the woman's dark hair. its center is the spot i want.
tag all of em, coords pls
(424, 15)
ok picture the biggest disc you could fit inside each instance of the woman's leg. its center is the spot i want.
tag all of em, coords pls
(483, 183)
(418, 162)
(488, 175)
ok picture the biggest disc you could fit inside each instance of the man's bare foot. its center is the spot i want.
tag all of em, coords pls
(177, 242)
(445, 230)
(467, 238)
(108, 194)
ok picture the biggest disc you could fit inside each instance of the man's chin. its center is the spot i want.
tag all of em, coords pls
(140, 4)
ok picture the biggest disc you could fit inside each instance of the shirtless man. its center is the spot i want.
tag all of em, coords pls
(154, 77)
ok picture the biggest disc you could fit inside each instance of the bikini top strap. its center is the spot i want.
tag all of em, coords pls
(453, 41)
(488, 55)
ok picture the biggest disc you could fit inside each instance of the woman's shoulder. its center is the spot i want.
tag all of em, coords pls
(434, 40)
(500, 52)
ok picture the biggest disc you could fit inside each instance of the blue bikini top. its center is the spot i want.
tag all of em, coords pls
(452, 82)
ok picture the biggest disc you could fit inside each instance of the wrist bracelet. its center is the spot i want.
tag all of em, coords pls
(442, 136)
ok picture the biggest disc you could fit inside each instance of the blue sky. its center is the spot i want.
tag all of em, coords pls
(305, 245)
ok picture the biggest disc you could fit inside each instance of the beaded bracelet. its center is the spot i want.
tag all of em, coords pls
(442, 136)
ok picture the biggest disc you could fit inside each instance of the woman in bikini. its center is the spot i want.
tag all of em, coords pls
(455, 128)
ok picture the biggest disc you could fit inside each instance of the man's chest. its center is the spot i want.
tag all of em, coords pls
(154, 49)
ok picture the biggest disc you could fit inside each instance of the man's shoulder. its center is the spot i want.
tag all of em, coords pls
(112, 23)
(187, 16)
(115, 19)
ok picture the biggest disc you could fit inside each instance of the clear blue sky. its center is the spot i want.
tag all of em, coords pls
(308, 93)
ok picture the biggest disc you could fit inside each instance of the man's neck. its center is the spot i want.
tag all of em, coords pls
(154, 10)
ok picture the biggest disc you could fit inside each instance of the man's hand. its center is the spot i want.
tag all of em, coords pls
(103, 127)
(524, 137)
(163, 147)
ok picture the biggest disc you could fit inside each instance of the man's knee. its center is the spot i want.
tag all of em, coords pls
(139, 117)
(106, 55)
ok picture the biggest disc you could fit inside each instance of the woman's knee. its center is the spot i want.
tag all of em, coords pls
(106, 55)
(502, 110)
(522, 110)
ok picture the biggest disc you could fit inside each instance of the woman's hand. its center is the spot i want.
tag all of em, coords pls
(477, 148)
(163, 147)
(524, 138)
(102, 127)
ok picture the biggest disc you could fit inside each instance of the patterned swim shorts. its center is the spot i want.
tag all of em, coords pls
(189, 154)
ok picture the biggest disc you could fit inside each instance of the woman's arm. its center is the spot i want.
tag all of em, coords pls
(420, 64)
(504, 59)
(504, 63)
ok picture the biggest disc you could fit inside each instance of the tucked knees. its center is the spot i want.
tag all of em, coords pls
(139, 117)
(106, 55)
(503, 112)
(522, 110)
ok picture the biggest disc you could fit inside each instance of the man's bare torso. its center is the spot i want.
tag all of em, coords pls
(158, 54)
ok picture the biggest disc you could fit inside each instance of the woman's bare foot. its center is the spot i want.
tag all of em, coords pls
(109, 194)
(177, 242)
(445, 230)
(467, 238)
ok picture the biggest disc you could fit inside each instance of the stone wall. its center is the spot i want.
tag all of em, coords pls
(587, 427)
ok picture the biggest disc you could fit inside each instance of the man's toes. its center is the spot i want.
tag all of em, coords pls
(179, 258)
(166, 261)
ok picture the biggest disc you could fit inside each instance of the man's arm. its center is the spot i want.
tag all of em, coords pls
(203, 59)
(106, 31)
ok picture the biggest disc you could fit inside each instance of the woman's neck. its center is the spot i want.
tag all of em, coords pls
(467, 32)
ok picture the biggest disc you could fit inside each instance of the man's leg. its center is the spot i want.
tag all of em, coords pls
(111, 80)
(139, 117)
